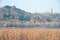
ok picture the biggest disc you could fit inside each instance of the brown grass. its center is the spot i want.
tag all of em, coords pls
(29, 34)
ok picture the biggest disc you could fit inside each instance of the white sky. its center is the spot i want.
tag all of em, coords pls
(34, 5)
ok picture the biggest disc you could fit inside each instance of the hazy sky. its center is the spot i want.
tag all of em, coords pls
(33, 5)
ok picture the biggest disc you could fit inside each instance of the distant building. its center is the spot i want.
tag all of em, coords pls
(52, 10)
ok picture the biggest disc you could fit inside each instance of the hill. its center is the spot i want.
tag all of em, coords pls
(11, 16)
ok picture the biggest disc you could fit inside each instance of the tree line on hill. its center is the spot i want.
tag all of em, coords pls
(11, 16)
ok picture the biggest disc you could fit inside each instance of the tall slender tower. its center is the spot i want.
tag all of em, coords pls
(52, 10)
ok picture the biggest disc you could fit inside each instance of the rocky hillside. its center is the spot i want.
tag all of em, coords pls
(8, 13)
